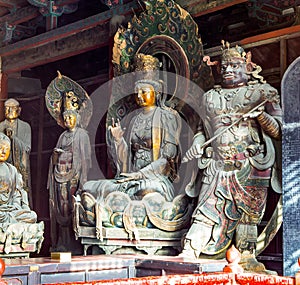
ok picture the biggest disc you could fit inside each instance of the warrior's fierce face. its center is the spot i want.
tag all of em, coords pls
(234, 73)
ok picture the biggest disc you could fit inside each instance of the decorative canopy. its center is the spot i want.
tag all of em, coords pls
(164, 27)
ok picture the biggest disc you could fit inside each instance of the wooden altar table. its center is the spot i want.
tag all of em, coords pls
(46, 270)
(33, 271)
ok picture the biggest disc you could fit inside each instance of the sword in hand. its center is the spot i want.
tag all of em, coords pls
(196, 151)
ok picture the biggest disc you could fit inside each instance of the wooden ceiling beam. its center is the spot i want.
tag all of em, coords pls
(66, 31)
(199, 8)
(275, 36)
(56, 50)
(22, 15)
(8, 4)
(259, 40)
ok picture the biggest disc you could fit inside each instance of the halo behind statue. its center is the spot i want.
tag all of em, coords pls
(64, 94)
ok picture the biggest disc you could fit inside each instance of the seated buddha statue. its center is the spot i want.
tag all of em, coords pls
(14, 206)
(145, 150)
(144, 145)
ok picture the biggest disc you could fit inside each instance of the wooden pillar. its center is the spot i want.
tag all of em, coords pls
(283, 57)
(38, 188)
(3, 93)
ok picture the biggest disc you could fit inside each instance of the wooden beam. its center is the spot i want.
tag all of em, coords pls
(8, 4)
(57, 44)
(275, 36)
(66, 31)
(53, 51)
(199, 8)
(263, 39)
(20, 16)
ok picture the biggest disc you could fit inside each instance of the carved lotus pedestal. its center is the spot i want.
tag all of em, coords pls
(124, 226)
(20, 239)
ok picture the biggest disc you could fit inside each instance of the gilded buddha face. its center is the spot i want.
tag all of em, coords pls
(12, 109)
(234, 73)
(145, 95)
(70, 120)
(4, 150)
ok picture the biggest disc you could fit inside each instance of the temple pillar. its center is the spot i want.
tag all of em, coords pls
(3, 93)
(290, 90)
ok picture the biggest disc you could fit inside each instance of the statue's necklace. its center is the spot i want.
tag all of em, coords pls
(145, 119)
(69, 138)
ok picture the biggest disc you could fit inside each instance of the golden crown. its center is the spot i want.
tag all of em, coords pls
(71, 101)
(147, 70)
(146, 63)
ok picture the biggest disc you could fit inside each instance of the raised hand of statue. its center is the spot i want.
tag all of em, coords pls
(56, 153)
(195, 151)
(116, 130)
(130, 176)
(58, 150)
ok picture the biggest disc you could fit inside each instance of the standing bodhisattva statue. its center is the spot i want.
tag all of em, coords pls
(70, 162)
(235, 147)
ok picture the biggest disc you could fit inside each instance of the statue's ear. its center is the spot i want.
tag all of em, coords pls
(19, 110)
(249, 67)
(249, 63)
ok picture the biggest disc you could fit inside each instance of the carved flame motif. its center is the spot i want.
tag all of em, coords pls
(162, 19)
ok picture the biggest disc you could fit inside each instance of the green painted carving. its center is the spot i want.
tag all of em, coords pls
(167, 19)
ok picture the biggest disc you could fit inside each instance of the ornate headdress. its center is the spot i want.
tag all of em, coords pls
(234, 52)
(228, 53)
(64, 94)
(238, 52)
(147, 71)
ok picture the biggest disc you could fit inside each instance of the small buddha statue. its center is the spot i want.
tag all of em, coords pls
(19, 133)
(14, 206)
